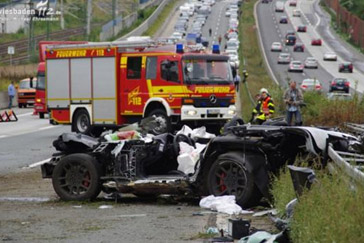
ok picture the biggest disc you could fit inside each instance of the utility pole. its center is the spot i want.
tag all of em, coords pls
(46, 15)
(113, 17)
(30, 34)
(62, 18)
(89, 11)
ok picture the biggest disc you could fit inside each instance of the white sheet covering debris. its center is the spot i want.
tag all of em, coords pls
(188, 157)
(223, 204)
(199, 132)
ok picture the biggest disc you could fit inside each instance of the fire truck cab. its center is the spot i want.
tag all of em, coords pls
(116, 83)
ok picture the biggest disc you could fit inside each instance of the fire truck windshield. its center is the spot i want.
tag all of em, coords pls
(40, 81)
(206, 71)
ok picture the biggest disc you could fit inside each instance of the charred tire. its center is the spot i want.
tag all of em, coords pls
(81, 121)
(163, 121)
(77, 177)
(228, 176)
(41, 115)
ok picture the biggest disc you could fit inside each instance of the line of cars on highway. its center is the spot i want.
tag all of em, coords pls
(232, 36)
(337, 84)
(191, 33)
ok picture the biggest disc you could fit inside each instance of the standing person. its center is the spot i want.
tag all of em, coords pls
(220, 39)
(266, 107)
(293, 98)
(210, 31)
(236, 79)
(11, 93)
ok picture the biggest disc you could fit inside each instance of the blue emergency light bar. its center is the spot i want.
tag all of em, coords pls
(216, 49)
(179, 48)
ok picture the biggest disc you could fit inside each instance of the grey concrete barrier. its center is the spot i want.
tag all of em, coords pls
(4, 100)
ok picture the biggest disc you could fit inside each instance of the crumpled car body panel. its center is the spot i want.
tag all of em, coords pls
(262, 149)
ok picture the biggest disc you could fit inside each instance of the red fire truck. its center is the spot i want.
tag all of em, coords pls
(115, 83)
(40, 106)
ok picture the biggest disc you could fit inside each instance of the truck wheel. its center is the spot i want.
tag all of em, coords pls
(77, 177)
(20, 105)
(41, 115)
(81, 121)
(162, 120)
(228, 176)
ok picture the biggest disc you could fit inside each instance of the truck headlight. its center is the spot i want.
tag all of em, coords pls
(231, 112)
(191, 112)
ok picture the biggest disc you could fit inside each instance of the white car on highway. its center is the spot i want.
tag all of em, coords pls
(330, 56)
(296, 66)
(177, 35)
(276, 46)
(234, 61)
(296, 13)
(311, 84)
(284, 58)
(311, 62)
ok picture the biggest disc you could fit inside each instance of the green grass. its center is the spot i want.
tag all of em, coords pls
(354, 6)
(330, 212)
(161, 19)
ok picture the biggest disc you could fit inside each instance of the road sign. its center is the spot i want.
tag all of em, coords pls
(11, 50)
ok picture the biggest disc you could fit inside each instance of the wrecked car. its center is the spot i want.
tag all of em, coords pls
(240, 162)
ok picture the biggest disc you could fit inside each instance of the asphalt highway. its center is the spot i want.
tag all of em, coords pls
(271, 31)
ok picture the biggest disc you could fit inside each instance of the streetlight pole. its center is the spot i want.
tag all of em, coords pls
(30, 34)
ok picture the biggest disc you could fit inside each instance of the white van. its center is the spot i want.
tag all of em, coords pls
(279, 7)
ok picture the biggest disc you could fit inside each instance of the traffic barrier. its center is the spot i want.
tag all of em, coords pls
(8, 116)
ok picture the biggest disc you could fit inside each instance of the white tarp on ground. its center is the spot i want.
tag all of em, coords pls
(223, 204)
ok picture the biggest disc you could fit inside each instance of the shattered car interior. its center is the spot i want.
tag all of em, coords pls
(239, 162)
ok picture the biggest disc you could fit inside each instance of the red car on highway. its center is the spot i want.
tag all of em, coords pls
(316, 42)
(293, 3)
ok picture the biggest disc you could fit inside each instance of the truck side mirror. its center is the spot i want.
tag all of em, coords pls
(31, 82)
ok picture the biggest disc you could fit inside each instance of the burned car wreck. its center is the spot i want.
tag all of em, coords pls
(240, 162)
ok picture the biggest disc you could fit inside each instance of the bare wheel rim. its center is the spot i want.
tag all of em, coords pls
(74, 179)
(161, 124)
(82, 123)
(228, 178)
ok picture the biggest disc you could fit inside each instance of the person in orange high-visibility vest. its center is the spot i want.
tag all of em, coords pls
(266, 107)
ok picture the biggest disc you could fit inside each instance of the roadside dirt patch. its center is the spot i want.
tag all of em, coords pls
(131, 219)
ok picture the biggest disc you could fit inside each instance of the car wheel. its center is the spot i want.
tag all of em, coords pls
(228, 176)
(77, 177)
(162, 120)
(81, 121)
(41, 115)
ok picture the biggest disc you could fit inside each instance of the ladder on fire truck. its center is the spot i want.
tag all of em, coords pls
(124, 45)
(8, 116)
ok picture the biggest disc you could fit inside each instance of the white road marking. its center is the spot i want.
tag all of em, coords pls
(25, 114)
(45, 128)
(3, 136)
(303, 74)
(318, 20)
(38, 163)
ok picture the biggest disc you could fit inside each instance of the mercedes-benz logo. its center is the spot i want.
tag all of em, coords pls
(213, 99)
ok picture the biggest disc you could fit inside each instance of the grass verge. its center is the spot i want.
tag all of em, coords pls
(142, 16)
(330, 212)
(15, 73)
(161, 18)
(252, 60)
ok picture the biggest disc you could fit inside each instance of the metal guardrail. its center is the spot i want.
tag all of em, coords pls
(350, 163)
